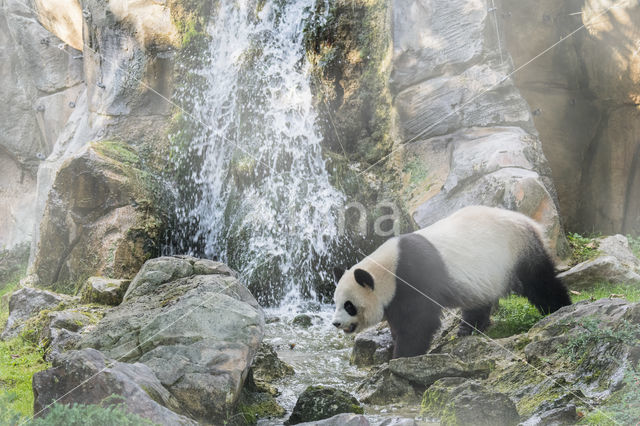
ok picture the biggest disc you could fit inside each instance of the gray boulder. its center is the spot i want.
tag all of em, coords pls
(458, 401)
(403, 377)
(197, 333)
(26, 303)
(373, 346)
(88, 377)
(615, 264)
(103, 290)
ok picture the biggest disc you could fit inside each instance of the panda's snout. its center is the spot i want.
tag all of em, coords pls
(337, 324)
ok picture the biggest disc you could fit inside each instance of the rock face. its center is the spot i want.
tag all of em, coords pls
(614, 264)
(88, 377)
(585, 91)
(96, 221)
(42, 76)
(317, 403)
(26, 303)
(451, 162)
(197, 333)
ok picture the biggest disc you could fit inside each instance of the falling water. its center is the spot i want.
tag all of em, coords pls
(263, 199)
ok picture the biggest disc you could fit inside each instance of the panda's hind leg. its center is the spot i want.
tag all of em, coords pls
(474, 319)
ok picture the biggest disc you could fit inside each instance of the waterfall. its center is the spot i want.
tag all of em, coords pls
(261, 197)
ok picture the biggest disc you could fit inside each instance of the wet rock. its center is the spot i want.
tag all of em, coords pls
(384, 387)
(267, 368)
(26, 303)
(458, 401)
(102, 290)
(88, 377)
(424, 370)
(302, 320)
(404, 379)
(373, 346)
(347, 419)
(317, 403)
(197, 333)
(615, 264)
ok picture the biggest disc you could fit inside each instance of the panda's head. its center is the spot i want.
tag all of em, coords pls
(357, 305)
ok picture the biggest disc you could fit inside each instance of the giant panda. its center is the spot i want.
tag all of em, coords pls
(468, 260)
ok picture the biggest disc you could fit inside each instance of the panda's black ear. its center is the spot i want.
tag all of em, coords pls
(338, 272)
(363, 278)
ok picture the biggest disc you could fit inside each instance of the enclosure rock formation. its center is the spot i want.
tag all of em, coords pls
(585, 92)
(451, 77)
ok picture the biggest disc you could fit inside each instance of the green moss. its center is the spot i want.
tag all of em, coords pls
(515, 315)
(19, 360)
(261, 406)
(118, 151)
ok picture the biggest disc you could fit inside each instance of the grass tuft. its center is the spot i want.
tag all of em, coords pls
(514, 315)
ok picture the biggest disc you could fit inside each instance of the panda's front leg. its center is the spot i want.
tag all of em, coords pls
(413, 337)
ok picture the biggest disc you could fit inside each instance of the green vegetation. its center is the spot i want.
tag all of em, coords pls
(602, 290)
(515, 315)
(19, 360)
(634, 242)
(582, 248)
(70, 415)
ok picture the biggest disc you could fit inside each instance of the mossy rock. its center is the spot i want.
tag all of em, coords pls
(458, 401)
(255, 406)
(318, 402)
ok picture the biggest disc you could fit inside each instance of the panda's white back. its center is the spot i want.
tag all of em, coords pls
(479, 246)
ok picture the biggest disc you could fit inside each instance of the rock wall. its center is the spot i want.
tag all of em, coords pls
(468, 134)
(42, 82)
(115, 87)
(585, 94)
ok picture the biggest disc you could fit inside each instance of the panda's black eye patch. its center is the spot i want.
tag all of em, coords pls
(351, 310)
